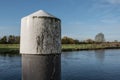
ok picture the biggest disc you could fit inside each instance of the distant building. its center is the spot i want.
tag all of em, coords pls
(100, 37)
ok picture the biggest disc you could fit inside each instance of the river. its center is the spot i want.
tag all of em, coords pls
(76, 65)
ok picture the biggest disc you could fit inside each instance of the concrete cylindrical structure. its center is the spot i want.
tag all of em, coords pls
(40, 46)
(40, 34)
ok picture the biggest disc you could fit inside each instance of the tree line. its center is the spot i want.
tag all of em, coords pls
(11, 39)
(68, 40)
(99, 38)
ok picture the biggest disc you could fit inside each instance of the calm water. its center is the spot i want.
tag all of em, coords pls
(77, 65)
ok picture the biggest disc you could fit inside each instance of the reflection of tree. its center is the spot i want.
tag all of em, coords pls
(9, 53)
(100, 55)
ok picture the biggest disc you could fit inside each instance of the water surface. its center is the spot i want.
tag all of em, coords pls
(76, 65)
(10, 67)
(91, 65)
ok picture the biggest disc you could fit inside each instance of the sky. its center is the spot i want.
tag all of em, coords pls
(81, 19)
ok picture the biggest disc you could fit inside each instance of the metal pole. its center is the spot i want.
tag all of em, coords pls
(40, 46)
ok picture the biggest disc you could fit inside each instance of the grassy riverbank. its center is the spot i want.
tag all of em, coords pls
(94, 46)
(9, 48)
(68, 47)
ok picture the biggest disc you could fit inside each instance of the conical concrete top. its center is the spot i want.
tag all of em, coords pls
(41, 13)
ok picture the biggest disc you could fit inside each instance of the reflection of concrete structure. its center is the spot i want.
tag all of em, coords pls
(40, 47)
(41, 67)
(100, 55)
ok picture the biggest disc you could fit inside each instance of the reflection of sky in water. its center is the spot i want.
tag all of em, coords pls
(91, 65)
(10, 67)
(76, 65)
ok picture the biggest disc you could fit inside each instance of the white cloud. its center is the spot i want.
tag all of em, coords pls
(108, 1)
(113, 1)
(109, 21)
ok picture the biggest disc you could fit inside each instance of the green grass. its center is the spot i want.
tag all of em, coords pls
(9, 46)
(68, 47)
(81, 46)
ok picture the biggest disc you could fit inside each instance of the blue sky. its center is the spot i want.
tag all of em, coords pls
(81, 19)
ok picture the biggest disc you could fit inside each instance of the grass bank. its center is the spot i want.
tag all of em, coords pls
(9, 48)
(66, 47)
(94, 46)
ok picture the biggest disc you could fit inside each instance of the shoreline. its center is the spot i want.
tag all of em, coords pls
(67, 50)
(14, 48)
(14, 51)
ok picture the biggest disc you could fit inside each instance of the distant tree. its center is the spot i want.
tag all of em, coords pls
(17, 40)
(115, 40)
(11, 39)
(89, 41)
(76, 41)
(68, 40)
(65, 40)
(100, 37)
(3, 40)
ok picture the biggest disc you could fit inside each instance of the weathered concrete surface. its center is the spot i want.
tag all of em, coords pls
(40, 34)
(40, 46)
(41, 67)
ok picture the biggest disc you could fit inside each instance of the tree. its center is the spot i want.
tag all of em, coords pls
(68, 40)
(11, 39)
(100, 37)
(3, 40)
(17, 39)
(90, 41)
(76, 41)
(115, 40)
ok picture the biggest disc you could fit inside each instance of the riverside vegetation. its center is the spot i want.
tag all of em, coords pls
(11, 44)
(70, 47)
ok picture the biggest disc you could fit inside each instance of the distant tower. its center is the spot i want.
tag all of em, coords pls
(100, 37)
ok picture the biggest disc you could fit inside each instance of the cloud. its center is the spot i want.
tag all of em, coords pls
(105, 12)
(113, 1)
(110, 21)
(108, 2)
